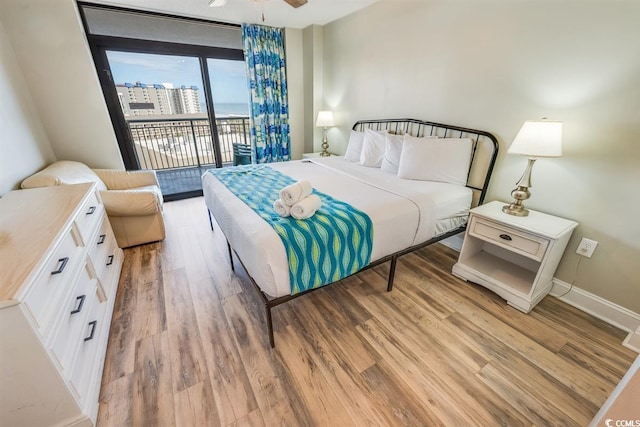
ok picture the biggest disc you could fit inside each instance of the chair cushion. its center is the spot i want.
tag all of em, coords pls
(64, 172)
(133, 202)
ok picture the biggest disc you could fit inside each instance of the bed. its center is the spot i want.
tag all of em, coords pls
(406, 214)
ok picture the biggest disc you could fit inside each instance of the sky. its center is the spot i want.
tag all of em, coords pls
(228, 78)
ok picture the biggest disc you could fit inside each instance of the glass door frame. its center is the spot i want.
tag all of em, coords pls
(99, 45)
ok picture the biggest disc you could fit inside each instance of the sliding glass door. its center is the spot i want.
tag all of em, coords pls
(178, 114)
(163, 103)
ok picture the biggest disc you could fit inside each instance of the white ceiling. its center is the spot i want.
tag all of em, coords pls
(277, 13)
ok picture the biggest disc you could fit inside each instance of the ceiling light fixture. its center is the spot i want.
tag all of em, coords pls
(217, 3)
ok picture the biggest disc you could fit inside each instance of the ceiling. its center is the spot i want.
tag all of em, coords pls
(277, 13)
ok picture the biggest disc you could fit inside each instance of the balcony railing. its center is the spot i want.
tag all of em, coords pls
(179, 143)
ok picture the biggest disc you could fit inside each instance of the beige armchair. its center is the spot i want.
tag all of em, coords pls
(132, 200)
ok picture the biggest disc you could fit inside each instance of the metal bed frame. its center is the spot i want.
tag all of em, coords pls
(483, 158)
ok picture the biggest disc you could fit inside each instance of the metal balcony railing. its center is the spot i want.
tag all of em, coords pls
(180, 143)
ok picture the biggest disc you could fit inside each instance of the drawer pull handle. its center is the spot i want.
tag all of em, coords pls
(91, 210)
(506, 237)
(63, 263)
(101, 239)
(110, 260)
(80, 304)
(93, 330)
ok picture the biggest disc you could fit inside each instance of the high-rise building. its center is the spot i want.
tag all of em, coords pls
(142, 99)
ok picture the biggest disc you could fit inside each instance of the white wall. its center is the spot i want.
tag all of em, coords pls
(295, 87)
(24, 147)
(52, 51)
(492, 65)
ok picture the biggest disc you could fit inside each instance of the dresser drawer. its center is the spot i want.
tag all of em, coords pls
(103, 250)
(92, 333)
(53, 280)
(74, 314)
(529, 245)
(91, 213)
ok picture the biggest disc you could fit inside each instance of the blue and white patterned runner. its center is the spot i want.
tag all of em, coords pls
(334, 243)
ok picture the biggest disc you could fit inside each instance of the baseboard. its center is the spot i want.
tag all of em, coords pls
(599, 307)
(632, 340)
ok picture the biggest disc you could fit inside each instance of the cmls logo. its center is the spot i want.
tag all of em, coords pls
(621, 423)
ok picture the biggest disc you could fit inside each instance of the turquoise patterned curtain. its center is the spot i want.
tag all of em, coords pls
(269, 115)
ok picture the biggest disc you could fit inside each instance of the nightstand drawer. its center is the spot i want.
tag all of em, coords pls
(529, 245)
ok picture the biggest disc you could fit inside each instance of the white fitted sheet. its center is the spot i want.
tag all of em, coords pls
(403, 212)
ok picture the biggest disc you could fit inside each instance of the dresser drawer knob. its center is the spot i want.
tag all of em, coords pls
(63, 263)
(101, 239)
(80, 300)
(110, 258)
(93, 325)
(506, 237)
(91, 210)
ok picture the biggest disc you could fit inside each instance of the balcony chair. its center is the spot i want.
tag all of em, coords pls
(241, 154)
(132, 200)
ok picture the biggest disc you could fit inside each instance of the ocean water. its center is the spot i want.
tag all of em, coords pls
(225, 109)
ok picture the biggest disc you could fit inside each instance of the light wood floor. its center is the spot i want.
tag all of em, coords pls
(188, 346)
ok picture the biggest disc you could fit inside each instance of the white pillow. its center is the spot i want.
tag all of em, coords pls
(392, 151)
(354, 147)
(372, 148)
(435, 159)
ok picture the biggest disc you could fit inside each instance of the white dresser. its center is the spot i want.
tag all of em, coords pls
(59, 271)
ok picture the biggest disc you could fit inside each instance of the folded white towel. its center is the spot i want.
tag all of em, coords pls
(306, 207)
(295, 192)
(282, 208)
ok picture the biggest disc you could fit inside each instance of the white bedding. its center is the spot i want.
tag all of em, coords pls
(403, 213)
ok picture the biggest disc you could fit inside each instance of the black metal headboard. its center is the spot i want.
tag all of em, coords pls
(483, 155)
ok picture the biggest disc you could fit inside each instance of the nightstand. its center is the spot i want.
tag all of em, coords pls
(515, 257)
(314, 155)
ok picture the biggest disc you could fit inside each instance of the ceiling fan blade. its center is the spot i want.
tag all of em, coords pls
(296, 3)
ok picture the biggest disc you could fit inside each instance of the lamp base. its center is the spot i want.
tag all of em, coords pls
(515, 209)
(325, 145)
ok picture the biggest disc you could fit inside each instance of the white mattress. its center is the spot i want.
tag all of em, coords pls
(403, 212)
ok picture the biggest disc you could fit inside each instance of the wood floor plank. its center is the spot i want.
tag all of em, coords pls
(120, 356)
(336, 363)
(404, 406)
(428, 334)
(575, 376)
(277, 398)
(409, 369)
(152, 394)
(454, 364)
(539, 411)
(114, 410)
(321, 311)
(194, 406)
(188, 363)
(487, 301)
(232, 390)
(253, 419)
(324, 406)
(188, 345)
(151, 316)
(545, 387)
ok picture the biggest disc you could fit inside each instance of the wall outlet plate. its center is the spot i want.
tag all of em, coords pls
(586, 247)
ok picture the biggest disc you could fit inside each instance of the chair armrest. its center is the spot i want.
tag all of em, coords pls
(116, 179)
(136, 202)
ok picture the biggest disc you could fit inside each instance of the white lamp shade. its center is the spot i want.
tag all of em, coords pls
(538, 139)
(325, 119)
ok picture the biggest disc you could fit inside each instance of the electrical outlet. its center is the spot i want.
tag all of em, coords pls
(586, 247)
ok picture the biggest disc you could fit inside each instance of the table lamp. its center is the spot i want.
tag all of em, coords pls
(325, 119)
(537, 138)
